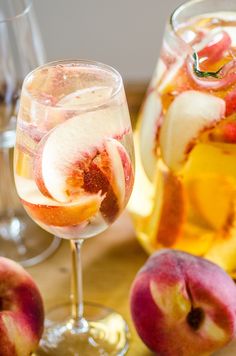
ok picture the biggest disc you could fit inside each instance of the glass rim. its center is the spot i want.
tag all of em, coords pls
(178, 9)
(18, 15)
(92, 63)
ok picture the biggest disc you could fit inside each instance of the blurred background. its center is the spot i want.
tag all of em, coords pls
(126, 34)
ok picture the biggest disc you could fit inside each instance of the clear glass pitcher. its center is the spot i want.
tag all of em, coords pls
(185, 189)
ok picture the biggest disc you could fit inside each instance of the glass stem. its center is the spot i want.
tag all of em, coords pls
(10, 225)
(77, 306)
(7, 200)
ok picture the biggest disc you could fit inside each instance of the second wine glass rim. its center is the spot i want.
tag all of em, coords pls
(25, 10)
(88, 62)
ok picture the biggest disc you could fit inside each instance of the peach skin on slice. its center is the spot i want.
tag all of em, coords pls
(168, 216)
(189, 114)
(67, 215)
(73, 143)
(50, 212)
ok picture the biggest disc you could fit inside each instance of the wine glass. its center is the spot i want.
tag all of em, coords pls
(20, 51)
(74, 174)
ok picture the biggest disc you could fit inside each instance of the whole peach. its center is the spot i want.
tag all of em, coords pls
(21, 311)
(183, 305)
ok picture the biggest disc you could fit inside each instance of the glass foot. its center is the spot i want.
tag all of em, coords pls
(104, 333)
(23, 241)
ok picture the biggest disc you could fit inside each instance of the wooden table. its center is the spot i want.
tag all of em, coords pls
(110, 263)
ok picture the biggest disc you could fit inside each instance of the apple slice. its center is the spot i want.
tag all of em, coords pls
(190, 113)
(151, 120)
(73, 143)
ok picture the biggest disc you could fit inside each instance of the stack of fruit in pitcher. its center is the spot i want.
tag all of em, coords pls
(186, 144)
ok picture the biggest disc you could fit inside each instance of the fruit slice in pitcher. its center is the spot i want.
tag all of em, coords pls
(214, 50)
(149, 131)
(190, 114)
(212, 197)
(168, 216)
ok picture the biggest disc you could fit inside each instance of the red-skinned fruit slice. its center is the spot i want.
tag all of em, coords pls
(230, 101)
(104, 167)
(75, 142)
(168, 216)
(50, 212)
(111, 174)
(190, 114)
(215, 49)
(68, 215)
(229, 132)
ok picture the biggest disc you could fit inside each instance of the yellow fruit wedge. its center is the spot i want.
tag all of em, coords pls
(217, 158)
(23, 164)
(195, 240)
(212, 197)
(223, 252)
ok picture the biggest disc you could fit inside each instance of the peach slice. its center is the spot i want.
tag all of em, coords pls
(85, 96)
(122, 170)
(168, 216)
(230, 100)
(72, 214)
(52, 213)
(190, 113)
(231, 30)
(73, 143)
(215, 49)
(212, 197)
(151, 121)
(110, 173)
(170, 75)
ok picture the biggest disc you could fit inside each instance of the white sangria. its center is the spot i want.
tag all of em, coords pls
(74, 173)
(73, 167)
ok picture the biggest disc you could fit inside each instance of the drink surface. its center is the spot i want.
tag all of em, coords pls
(186, 139)
(73, 156)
